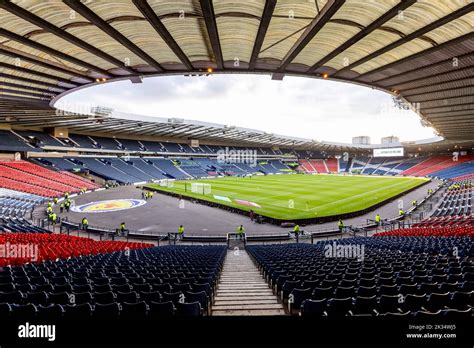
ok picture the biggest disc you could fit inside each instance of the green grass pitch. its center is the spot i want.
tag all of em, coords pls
(291, 197)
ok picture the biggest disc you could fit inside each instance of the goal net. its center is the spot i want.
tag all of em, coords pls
(167, 183)
(197, 187)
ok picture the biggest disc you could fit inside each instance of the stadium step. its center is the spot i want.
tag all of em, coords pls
(242, 290)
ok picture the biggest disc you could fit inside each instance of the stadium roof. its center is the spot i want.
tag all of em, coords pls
(420, 51)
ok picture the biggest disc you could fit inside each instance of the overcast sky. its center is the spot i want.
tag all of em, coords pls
(301, 107)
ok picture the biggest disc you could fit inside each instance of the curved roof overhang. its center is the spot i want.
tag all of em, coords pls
(419, 51)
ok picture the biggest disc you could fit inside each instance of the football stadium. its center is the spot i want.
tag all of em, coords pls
(162, 170)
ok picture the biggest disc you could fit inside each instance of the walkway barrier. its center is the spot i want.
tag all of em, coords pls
(237, 238)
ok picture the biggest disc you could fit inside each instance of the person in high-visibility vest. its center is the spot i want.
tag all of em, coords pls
(150, 195)
(180, 232)
(66, 195)
(414, 203)
(377, 219)
(401, 212)
(61, 208)
(55, 200)
(50, 204)
(240, 231)
(49, 210)
(53, 217)
(85, 223)
(121, 229)
(296, 229)
(340, 225)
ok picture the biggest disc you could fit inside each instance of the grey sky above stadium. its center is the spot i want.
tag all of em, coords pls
(314, 109)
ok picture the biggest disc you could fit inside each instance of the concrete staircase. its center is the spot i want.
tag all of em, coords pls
(242, 290)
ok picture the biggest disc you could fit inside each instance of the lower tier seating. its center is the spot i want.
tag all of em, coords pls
(457, 231)
(373, 276)
(142, 283)
(60, 246)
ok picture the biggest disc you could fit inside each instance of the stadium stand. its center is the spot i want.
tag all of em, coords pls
(40, 139)
(332, 165)
(456, 231)
(10, 142)
(15, 203)
(455, 208)
(456, 172)
(60, 246)
(429, 165)
(336, 286)
(16, 224)
(146, 283)
(69, 182)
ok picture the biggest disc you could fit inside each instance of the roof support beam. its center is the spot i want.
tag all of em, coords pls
(469, 87)
(45, 25)
(445, 106)
(447, 113)
(262, 31)
(160, 28)
(426, 52)
(331, 7)
(417, 33)
(430, 66)
(33, 44)
(406, 92)
(394, 11)
(30, 94)
(37, 73)
(33, 89)
(6, 52)
(210, 19)
(445, 98)
(91, 16)
(27, 80)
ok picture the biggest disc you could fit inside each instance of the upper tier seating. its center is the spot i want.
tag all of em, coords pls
(102, 167)
(10, 142)
(145, 283)
(83, 141)
(322, 282)
(169, 168)
(148, 167)
(43, 138)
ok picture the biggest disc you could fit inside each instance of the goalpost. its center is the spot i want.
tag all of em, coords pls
(200, 188)
(167, 183)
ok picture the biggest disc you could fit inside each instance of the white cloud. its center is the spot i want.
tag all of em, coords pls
(315, 109)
